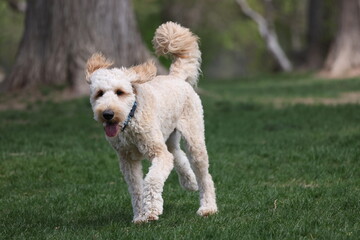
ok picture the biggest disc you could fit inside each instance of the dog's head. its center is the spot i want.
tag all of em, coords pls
(111, 90)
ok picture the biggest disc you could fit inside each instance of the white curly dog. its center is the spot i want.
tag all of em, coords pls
(144, 116)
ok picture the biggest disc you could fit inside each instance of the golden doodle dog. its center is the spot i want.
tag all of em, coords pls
(144, 117)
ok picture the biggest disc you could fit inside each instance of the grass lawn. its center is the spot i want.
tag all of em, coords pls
(288, 171)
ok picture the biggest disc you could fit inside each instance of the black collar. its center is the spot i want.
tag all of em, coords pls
(131, 115)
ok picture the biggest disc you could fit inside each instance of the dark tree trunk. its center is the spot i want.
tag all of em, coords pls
(315, 25)
(344, 56)
(61, 34)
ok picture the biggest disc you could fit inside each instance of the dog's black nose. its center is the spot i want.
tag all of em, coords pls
(108, 114)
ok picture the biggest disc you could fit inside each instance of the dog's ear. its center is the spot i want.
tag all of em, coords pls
(144, 72)
(95, 62)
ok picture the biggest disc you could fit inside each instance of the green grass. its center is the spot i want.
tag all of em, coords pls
(281, 173)
(272, 87)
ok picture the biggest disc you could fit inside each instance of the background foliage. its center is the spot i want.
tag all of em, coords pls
(11, 25)
(230, 41)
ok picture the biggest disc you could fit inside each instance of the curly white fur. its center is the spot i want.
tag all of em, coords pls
(168, 108)
(178, 42)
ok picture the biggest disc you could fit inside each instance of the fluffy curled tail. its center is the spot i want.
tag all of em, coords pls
(182, 45)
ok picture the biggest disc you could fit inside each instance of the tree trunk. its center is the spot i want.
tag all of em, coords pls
(268, 33)
(61, 34)
(344, 56)
(314, 52)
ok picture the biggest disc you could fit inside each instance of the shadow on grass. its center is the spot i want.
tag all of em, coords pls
(100, 220)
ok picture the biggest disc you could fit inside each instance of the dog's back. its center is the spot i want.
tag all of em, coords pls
(168, 97)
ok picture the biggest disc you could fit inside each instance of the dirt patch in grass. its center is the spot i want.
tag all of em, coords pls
(343, 98)
(23, 99)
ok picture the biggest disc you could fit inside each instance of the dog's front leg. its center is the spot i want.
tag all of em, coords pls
(161, 166)
(132, 171)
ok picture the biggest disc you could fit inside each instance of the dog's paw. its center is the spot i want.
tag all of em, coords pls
(145, 218)
(139, 220)
(152, 217)
(188, 182)
(207, 211)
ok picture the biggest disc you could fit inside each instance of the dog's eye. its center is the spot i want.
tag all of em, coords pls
(99, 94)
(119, 92)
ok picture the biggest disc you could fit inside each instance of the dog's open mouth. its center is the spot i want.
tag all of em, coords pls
(111, 129)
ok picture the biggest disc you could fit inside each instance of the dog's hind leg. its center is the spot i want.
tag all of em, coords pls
(132, 171)
(191, 126)
(182, 165)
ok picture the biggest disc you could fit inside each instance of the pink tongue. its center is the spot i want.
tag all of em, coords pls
(111, 129)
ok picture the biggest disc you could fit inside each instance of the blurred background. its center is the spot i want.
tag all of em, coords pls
(281, 95)
(238, 38)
